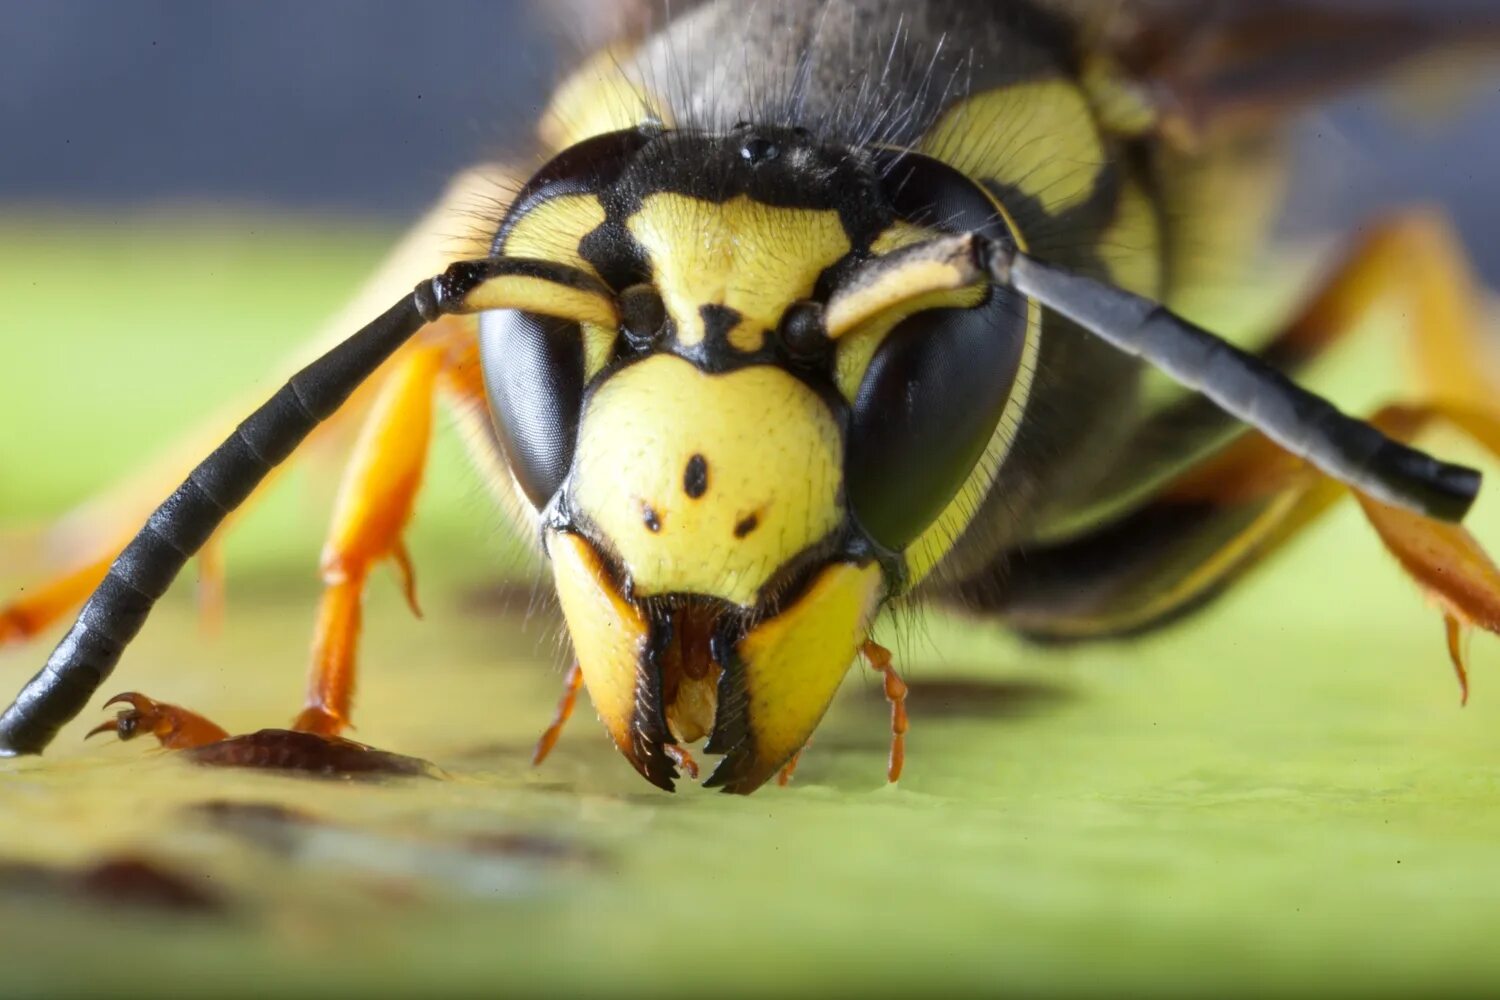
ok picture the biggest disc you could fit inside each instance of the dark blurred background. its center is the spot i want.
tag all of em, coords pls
(367, 106)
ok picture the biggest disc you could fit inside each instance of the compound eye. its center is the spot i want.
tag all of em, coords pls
(534, 379)
(925, 412)
(643, 317)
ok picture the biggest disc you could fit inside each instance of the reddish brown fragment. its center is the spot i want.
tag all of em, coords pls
(309, 753)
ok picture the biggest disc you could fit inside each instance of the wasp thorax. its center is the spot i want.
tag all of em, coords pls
(705, 483)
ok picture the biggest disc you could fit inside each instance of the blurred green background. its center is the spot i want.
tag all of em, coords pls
(1281, 795)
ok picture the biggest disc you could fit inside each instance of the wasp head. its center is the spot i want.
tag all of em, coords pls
(732, 480)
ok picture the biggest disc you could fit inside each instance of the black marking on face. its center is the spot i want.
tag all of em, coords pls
(746, 525)
(591, 166)
(781, 167)
(651, 518)
(717, 322)
(695, 477)
(610, 250)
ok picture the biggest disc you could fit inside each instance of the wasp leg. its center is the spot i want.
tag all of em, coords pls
(175, 727)
(94, 533)
(1175, 554)
(374, 505)
(788, 769)
(1196, 531)
(572, 684)
(38, 607)
(682, 758)
(879, 659)
(1416, 258)
(1445, 561)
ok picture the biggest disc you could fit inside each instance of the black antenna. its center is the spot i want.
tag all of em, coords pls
(1349, 450)
(222, 481)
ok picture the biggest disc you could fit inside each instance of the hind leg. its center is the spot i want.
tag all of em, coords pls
(1209, 524)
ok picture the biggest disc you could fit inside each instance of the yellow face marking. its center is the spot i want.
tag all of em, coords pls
(553, 230)
(609, 636)
(597, 99)
(538, 295)
(793, 663)
(857, 349)
(1131, 247)
(771, 463)
(886, 282)
(1038, 137)
(743, 255)
(901, 234)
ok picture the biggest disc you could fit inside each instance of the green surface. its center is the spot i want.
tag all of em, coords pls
(1281, 795)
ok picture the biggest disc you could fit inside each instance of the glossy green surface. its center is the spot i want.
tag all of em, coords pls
(1280, 795)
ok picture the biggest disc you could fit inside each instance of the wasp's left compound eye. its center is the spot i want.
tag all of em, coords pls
(534, 377)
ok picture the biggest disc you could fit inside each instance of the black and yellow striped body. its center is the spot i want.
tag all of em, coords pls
(1007, 94)
(818, 306)
(808, 407)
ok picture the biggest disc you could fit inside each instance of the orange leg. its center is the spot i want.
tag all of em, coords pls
(1413, 259)
(211, 586)
(94, 533)
(790, 768)
(374, 504)
(879, 659)
(97, 530)
(1445, 561)
(682, 759)
(175, 727)
(572, 684)
(35, 609)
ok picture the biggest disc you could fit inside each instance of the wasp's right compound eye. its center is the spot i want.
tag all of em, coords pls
(534, 378)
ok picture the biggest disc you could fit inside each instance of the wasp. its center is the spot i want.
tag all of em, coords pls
(883, 302)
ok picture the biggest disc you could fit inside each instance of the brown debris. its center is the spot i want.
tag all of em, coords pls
(309, 753)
